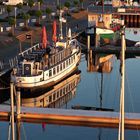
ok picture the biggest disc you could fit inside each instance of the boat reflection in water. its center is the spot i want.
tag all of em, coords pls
(55, 96)
(99, 62)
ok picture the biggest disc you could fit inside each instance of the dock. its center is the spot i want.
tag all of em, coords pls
(116, 50)
(72, 117)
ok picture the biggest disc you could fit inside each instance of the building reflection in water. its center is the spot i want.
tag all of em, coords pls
(99, 62)
(59, 94)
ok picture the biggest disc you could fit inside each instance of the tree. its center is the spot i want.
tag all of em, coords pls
(40, 2)
(26, 17)
(39, 14)
(75, 2)
(31, 3)
(9, 9)
(48, 12)
(12, 23)
(19, 6)
(81, 1)
(67, 4)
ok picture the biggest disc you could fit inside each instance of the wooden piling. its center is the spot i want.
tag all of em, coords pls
(12, 109)
(88, 43)
(18, 101)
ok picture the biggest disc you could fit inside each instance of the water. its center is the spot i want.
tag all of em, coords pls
(88, 93)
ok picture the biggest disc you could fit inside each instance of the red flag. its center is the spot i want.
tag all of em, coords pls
(54, 37)
(44, 37)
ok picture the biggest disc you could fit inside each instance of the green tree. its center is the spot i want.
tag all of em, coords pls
(81, 1)
(67, 4)
(9, 9)
(26, 17)
(39, 14)
(31, 3)
(48, 12)
(75, 2)
(12, 23)
(19, 6)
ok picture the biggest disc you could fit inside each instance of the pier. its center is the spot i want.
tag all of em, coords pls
(116, 50)
(72, 117)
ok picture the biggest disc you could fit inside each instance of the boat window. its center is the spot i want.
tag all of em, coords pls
(54, 71)
(67, 63)
(57, 94)
(60, 92)
(57, 68)
(71, 59)
(50, 99)
(53, 96)
(69, 87)
(64, 90)
(64, 65)
(60, 67)
(74, 57)
(50, 73)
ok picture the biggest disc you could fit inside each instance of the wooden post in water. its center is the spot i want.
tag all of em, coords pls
(121, 123)
(18, 103)
(88, 43)
(12, 109)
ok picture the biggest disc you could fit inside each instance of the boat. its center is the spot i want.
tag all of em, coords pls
(44, 65)
(56, 97)
(101, 23)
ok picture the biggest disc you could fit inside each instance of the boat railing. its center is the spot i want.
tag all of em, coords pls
(58, 57)
(35, 47)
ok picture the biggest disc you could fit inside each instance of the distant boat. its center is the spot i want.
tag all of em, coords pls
(132, 34)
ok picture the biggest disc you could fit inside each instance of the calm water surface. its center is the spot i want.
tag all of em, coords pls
(88, 94)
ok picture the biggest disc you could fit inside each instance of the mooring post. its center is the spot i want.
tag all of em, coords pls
(18, 103)
(12, 109)
(88, 43)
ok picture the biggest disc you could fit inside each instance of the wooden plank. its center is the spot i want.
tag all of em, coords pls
(73, 117)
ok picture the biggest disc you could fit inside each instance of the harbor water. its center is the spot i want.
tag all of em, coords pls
(95, 89)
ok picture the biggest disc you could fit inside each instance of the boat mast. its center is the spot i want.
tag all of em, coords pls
(121, 119)
(102, 6)
(60, 19)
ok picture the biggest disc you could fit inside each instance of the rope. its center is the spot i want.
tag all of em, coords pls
(25, 137)
(9, 129)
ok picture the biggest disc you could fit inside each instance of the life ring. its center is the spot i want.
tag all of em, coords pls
(27, 68)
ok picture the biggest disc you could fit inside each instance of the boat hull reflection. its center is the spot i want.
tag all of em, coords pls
(55, 96)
